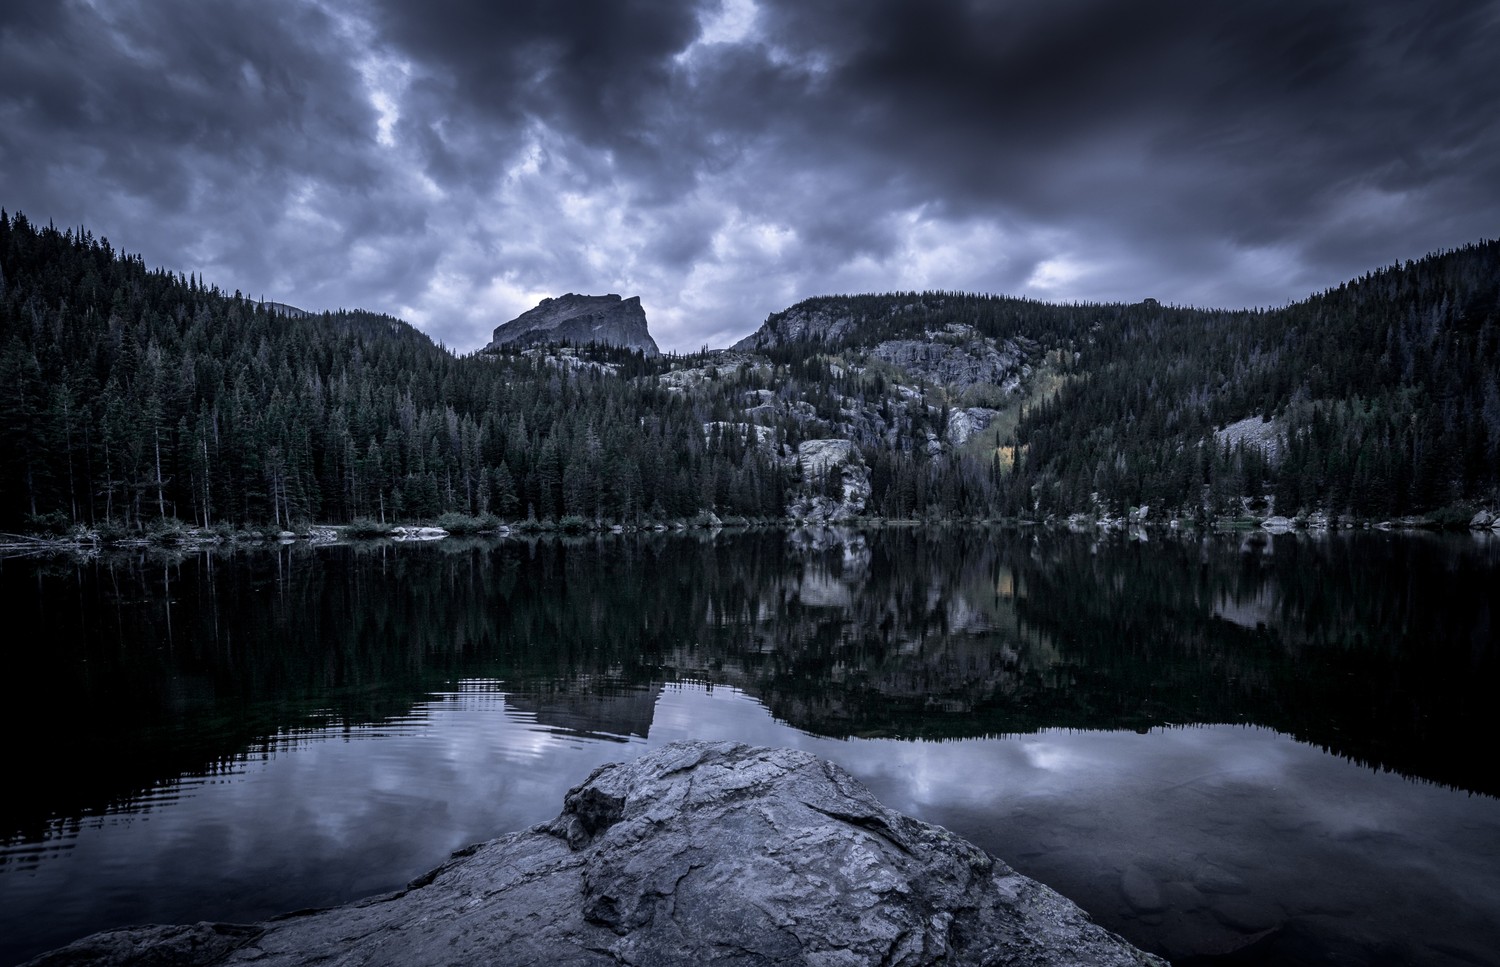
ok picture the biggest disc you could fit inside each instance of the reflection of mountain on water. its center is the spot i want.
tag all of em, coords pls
(1377, 649)
(841, 645)
(1252, 611)
(574, 708)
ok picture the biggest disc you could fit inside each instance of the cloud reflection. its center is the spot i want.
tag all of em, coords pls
(349, 812)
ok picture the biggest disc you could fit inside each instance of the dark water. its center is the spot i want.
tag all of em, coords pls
(1266, 750)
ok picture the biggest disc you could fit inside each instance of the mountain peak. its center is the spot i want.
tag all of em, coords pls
(575, 318)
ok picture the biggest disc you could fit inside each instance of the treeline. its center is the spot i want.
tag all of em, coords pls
(131, 395)
(1378, 398)
(1383, 396)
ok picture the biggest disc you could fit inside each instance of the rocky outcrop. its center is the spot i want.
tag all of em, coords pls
(750, 435)
(418, 533)
(964, 423)
(1253, 431)
(835, 483)
(818, 457)
(580, 319)
(959, 358)
(698, 853)
(712, 366)
(814, 320)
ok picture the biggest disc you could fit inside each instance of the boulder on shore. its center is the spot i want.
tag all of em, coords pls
(698, 853)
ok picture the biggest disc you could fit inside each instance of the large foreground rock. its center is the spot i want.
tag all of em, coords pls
(699, 853)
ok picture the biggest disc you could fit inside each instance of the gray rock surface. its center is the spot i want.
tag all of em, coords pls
(964, 423)
(580, 319)
(1252, 431)
(805, 321)
(961, 360)
(820, 456)
(698, 853)
(842, 471)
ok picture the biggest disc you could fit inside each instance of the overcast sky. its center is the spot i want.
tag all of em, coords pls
(452, 162)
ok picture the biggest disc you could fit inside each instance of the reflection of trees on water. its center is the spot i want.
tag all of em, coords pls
(156, 665)
(885, 634)
(1377, 648)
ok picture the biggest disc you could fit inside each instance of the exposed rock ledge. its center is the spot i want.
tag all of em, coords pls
(698, 853)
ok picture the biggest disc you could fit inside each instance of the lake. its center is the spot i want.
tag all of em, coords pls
(1231, 749)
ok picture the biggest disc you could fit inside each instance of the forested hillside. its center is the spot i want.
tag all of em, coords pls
(132, 396)
(1379, 397)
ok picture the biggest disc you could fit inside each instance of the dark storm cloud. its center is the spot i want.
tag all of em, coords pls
(456, 160)
(1328, 132)
(139, 95)
(1252, 123)
(208, 136)
(600, 69)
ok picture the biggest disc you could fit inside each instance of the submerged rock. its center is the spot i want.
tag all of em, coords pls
(698, 853)
(1140, 890)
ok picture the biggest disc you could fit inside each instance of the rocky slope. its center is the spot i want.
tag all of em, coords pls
(698, 853)
(812, 320)
(918, 338)
(579, 319)
(876, 388)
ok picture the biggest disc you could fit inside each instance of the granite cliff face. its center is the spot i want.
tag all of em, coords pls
(814, 320)
(959, 357)
(698, 853)
(835, 483)
(580, 319)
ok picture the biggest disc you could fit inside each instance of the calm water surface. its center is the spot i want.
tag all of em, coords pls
(1230, 750)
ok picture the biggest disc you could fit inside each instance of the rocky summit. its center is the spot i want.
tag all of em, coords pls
(580, 319)
(698, 853)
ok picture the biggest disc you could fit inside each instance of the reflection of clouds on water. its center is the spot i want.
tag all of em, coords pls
(1182, 813)
(694, 712)
(1231, 825)
(1051, 756)
(953, 635)
(335, 815)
